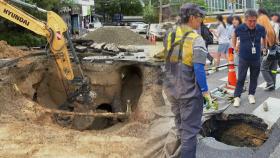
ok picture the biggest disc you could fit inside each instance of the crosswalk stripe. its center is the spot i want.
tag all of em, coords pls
(263, 85)
(224, 79)
(272, 115)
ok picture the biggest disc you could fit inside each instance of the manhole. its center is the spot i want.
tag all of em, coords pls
(240, 130)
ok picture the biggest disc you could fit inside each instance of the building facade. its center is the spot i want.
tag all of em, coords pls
(78, 15)
(216, 6)
(82, 16)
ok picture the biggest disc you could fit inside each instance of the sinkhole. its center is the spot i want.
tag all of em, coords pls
(241, 130)
(114, 89)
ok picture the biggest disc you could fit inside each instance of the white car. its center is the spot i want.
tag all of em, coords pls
(134, 25)
(141, 28)
(155, 30)
(94, 25)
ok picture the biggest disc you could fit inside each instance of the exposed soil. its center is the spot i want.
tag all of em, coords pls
(117, 35)
(243, 135)
(26, 130)
(7, 51)
(237, 130)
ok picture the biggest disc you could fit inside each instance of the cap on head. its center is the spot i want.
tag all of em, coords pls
(190, 9)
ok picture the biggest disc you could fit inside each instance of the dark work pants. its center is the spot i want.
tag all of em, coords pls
(243, 67)
(267, 66)
(188, 114)
(209, 57)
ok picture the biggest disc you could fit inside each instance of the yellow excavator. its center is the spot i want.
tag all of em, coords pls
(56, 32)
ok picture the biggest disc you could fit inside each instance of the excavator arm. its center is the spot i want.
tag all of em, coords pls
(53, 30)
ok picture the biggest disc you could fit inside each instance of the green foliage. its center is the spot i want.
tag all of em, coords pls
(126, 7)
(156, 2)
(150, 15)
(22, 38)
(176, 6)
(272, 6)
(201, 3)
(50, 4)
(17, 35)
(177, 3)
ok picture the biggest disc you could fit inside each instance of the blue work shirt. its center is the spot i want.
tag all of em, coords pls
(247, 36)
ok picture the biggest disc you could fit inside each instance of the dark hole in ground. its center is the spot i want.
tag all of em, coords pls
(51, 91)
(132, 85)
(102, 123)
(88, 122)
(240, 130)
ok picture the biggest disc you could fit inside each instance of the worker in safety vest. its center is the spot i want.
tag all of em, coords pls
(185, 79)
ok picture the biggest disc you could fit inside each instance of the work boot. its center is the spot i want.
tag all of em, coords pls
(269, 87)
(251, 99)
(236, 102)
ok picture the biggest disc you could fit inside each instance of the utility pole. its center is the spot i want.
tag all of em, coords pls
(160, 11)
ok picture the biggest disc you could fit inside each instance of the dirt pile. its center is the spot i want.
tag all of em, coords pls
(117, 35)
(7, 51)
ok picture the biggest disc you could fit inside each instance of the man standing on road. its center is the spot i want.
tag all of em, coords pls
(185, 83)
(250, 34)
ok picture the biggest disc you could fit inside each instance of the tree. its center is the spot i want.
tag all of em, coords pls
(200, 3)
(150, 15)
(272, 6)
(174, 6)
(25, 36)
(125, 7)
(45, 4)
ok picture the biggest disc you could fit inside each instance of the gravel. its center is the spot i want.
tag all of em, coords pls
(116, 35)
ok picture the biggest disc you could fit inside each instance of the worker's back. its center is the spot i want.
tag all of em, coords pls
(180, 78)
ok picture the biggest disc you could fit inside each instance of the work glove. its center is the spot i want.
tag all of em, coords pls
(209, 102)
(275, 72)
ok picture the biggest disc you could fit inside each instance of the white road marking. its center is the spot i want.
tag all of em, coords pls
(263, 85)
(272, 115)
(224, 79)
(213, 71)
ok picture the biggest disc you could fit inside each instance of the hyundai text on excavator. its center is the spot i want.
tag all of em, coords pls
(56, 32)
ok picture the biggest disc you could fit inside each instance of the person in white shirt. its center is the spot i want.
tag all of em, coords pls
(223, 38)
(275, 25)
(230, 27)
(236, 22)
